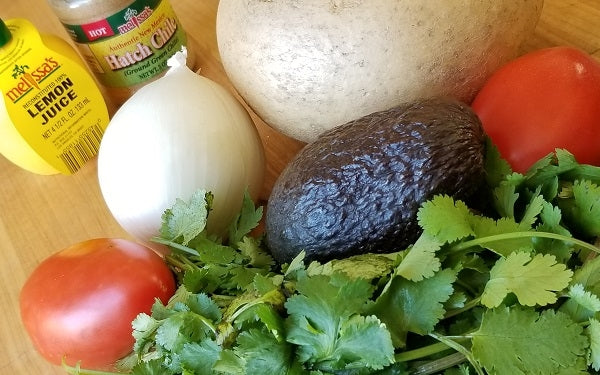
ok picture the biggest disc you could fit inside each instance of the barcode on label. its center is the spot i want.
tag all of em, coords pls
(83, 149)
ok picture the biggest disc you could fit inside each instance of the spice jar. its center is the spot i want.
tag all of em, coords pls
(126, 43)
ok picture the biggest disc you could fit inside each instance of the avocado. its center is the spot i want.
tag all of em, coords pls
(358, 187)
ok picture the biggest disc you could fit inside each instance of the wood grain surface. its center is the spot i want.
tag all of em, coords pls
(42, 214)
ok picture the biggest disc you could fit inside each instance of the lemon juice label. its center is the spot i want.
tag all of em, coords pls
(132, 45)
(51, 100)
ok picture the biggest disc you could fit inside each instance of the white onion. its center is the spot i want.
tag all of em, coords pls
(180, 133)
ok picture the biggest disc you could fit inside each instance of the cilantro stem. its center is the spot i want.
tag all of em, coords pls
(174, 261)
(422, 352)
(243, 308)
(180, 261)
(436, 366)
(452, 341)
(174, 245)
(512, 235)
(444, 343)
(208, 324)
(76, 370)
(469, 305)
(466, 287)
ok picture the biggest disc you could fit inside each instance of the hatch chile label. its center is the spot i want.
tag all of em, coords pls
(131, 46)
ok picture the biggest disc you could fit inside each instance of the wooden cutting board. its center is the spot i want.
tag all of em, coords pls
(42, 214)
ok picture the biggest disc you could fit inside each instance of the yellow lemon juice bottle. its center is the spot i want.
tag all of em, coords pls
(53, 114)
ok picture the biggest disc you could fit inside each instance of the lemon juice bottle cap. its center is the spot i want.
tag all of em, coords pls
(5, 35)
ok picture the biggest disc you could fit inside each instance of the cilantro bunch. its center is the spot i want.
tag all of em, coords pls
(510, 288)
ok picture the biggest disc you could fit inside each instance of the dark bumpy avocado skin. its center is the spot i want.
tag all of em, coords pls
(357, 188)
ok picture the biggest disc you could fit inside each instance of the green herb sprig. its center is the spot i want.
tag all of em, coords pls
(512, 288)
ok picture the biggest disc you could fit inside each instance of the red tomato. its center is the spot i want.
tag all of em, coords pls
(79, 303)
(541, 101)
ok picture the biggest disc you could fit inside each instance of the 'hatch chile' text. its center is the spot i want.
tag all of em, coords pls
(141, 51)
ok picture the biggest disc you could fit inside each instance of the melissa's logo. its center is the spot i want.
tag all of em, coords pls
(133, 19)
(28, 79)
(21, 70)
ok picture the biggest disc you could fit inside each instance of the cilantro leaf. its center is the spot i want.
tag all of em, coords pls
(201, 304)
(584, 298)
(363, 341)
(329, 296)
(532, 211)
(581, 305)
(181, 328)
(238, 312)
(583, 172)
(496, 167)
(256, 256)
(144, 327)
(420, 261)
(259, 351)
(186, 220)
(217, 268)
(266, 314)
(296, 267)
(325, 321)
(212, 253)
(365, 266)
(246, 307)
(263, 304)
(487, 227)
(521, 341)
(408, 306)
(229, 363)
(532, 280)
(505, 198)
(579, 368)
(445, 219)
(241, 276)
(588, 275)
(551, 221)
(316, 268)
(593, 332)
(582, 208)
(246, 220)
(550, 167)
(200, 357)
(152, 367)
(264, 284)
(203, 279)
(456, 301)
